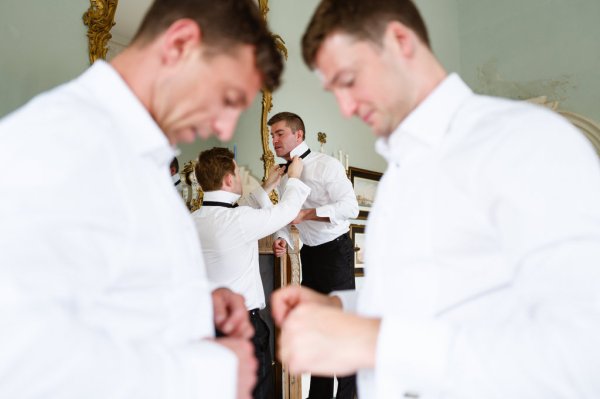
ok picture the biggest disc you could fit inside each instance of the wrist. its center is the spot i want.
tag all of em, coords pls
(268, 187)
(366, 345)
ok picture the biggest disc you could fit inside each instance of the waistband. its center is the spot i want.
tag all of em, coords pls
(344, 236)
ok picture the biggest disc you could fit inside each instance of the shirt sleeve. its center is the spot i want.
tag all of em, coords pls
(258, 223)
(48, 346)
(258, 199)
(539, 336)
(343, 204)
(348, 298)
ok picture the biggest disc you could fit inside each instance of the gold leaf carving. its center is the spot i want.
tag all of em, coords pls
(99, 19)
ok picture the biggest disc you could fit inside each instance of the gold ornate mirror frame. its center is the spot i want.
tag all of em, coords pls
(99, 18)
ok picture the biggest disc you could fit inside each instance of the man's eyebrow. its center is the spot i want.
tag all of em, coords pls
(241, 98)
(333, 81)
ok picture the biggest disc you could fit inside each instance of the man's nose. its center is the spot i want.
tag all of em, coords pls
(347, 104)
(224, 125)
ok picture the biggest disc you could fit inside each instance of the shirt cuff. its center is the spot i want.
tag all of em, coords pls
(286, 236)
(348, 298)
(416, 352)
(328, 211)
(209, 370)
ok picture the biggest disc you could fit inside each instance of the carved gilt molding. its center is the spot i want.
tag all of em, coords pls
(267, 104)
(99, 18)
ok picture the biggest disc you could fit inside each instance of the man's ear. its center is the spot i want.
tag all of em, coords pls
(227, 180)
(401, 38)
(179, 40)
(299, 135)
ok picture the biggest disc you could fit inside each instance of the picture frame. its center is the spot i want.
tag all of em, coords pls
(365, 186)
(357, 234)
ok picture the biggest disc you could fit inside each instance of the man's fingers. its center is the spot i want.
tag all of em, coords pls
(219, 308)
(239, 326)
(282, 301)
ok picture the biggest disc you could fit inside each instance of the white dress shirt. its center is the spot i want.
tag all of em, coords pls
(483, 254)
(230, 236)
(331, 195)
(103, 292)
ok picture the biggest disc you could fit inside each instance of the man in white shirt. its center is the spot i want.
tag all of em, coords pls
(483, 245)
(103, 291)
(327, 253)
(229, 235)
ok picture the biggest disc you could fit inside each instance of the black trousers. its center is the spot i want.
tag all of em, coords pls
(325, 268)
(265, 386)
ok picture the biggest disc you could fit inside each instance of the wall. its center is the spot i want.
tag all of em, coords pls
(511, 48)
(441, 18)
(42, 44)
(523, 49)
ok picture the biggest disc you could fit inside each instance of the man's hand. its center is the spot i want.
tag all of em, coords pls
(272, 181)
(231, 316)
(325, 341)
(304, 214)
(247, 364)
(284, 300)
(308, 214)
(279, 247)
(295, 168)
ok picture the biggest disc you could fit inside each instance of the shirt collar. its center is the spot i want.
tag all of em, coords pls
(429, 122)
(299, 150)
(221, 196)
(127, 113)
(176, 178)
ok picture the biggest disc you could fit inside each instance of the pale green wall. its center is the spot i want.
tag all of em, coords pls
(42, 44)
(512, 48)
(528, 48)
(441, 18)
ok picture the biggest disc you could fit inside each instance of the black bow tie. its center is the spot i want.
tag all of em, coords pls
(216, 203)
(286, 165)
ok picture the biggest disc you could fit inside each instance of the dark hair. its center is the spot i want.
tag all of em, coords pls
(363, 19)
(174, 164)
(292, 121)
(225, 24)
(212, 166)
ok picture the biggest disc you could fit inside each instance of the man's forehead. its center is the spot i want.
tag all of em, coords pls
(279, 126)
(336, 54)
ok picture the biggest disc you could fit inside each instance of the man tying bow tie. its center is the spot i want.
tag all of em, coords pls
(327, 254)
